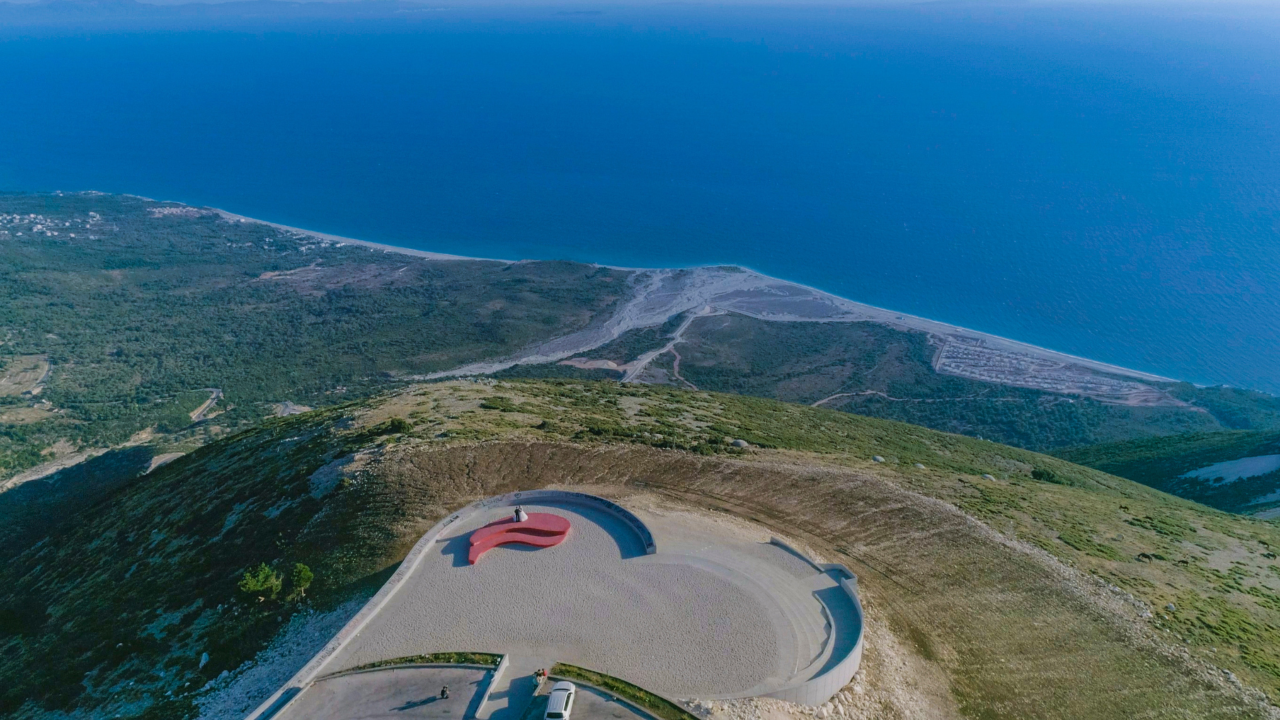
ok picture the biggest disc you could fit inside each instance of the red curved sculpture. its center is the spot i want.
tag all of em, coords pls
(540, 530)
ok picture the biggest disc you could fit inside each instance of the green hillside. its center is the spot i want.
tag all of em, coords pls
(122, 318)
(1161, 463)
(136, 308)
(999, 582)
(875, 370)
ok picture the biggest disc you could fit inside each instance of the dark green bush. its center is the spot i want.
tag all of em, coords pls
(1046, 475)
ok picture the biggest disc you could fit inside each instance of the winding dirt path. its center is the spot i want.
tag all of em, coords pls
(639, 364)
(675, 370)
(829, 398)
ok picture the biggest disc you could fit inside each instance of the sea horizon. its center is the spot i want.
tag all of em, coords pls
(963, 165)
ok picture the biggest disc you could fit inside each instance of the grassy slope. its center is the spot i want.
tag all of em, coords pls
(1220, 569)
(1159, 462)
(137, 313)
(145, 580)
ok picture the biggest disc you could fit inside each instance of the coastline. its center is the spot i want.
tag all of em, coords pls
(916, 322)
(704, 285)
(229, 216)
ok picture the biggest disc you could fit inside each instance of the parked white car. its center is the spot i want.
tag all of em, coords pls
(560, 701)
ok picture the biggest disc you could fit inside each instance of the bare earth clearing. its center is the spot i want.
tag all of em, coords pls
(24, 374)
(64, 456)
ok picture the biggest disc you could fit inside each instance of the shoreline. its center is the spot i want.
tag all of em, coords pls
(854, 311)
(922, 324)
(230, 216)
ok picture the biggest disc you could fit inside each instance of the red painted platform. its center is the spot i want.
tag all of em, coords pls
(540, 530)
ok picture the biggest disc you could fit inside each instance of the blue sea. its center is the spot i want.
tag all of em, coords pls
(1102, 180)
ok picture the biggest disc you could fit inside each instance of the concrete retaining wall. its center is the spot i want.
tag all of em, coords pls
(309, 672)
(775, 540)
(494, 678)
(821, 688)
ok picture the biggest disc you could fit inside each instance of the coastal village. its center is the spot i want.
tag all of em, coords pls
(971, 358)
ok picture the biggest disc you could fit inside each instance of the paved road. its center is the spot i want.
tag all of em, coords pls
(199, 413)
(590, 705)
(595, 705)
(401, 693)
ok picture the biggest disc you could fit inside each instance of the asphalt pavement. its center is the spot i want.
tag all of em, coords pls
(401, 693)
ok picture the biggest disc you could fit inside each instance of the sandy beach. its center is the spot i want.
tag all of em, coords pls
(232, 217)
(659, 293)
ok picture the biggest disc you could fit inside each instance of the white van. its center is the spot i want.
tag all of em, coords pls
(560, 701)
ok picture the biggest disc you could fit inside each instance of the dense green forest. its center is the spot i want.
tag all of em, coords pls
(1162, 461)
(140, 309)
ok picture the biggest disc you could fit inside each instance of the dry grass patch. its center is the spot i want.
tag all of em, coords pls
(22, 374)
